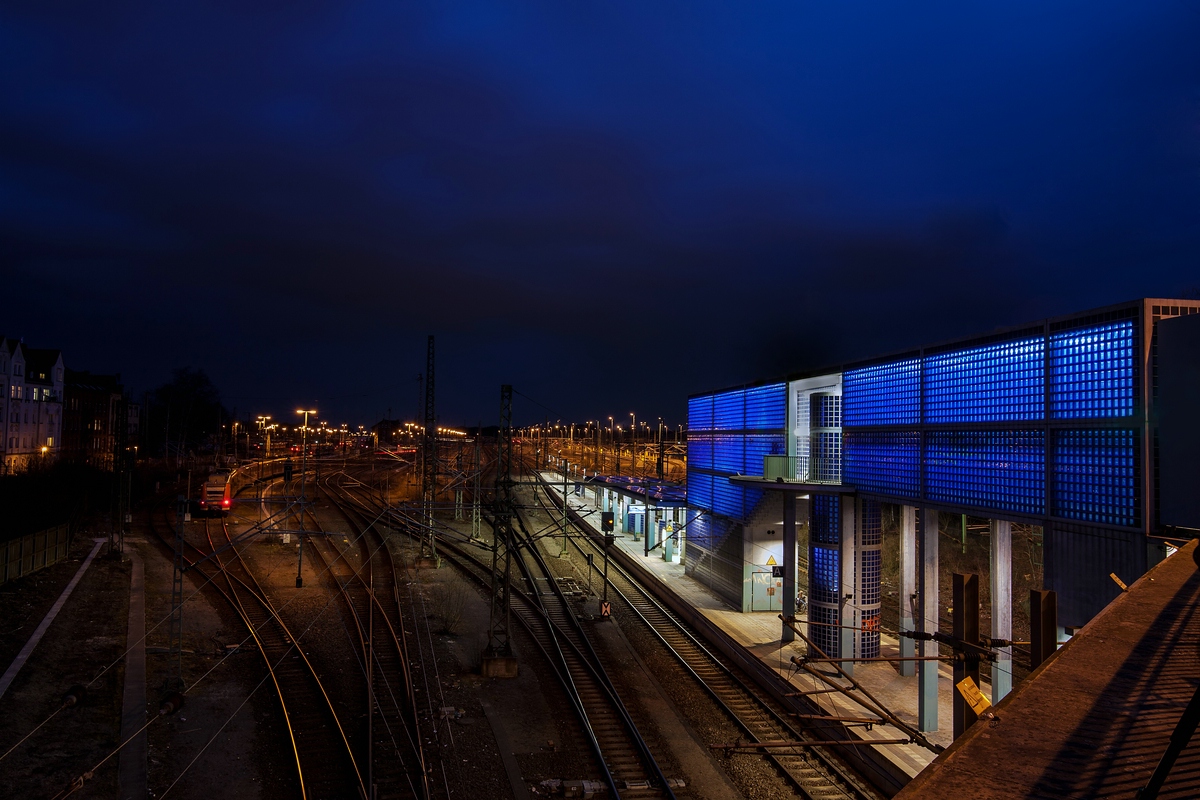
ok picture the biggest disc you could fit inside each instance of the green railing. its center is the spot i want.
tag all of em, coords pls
(21, 556)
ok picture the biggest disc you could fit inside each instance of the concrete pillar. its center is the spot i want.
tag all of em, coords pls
(908, 587)
(927, 601)
(789, 562)
(848, 602)
(1001, 575)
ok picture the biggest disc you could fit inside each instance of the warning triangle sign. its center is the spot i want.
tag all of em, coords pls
(771, 561)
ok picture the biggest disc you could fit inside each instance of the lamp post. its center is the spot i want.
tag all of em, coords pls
(612, 439)
(633, 432)
(303, 466)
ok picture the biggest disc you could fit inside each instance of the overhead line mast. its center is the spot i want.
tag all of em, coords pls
(498, 658)
(429, 461)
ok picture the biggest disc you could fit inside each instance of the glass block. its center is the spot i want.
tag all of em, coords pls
(1096, 476)
(886, 463)
(824, 519)
(1092, 371)
(1004, 470)
(884, 394)
(1001, 382)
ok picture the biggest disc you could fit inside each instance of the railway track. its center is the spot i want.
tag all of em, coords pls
(813, 772)
(324, 760)
(366, 578)
(624, 759)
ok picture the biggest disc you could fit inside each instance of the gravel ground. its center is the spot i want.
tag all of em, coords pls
(87, 636)
(464, 716)
(750, 775)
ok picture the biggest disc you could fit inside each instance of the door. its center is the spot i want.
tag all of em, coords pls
(766, 592)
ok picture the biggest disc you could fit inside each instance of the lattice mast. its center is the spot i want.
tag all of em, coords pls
(498, 628)
(429, 458)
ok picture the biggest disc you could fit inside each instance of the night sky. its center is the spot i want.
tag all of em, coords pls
(607, 205)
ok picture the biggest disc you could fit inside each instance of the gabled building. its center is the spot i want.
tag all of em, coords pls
(31, 404)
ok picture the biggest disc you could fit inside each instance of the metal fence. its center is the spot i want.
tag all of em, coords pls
(30, 553)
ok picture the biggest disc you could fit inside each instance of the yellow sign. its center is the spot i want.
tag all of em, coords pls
(974, 697)
(1120, 582)
(605, 610)
(771, 561)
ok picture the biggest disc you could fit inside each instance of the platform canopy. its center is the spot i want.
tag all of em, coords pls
(652, 490)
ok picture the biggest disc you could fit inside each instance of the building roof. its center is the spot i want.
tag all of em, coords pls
(951, 344)
(39, 364)
(82, 379)
(1095, 719)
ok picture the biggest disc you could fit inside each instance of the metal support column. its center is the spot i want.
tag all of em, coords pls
(175, 627)
(966, 629)
(1043, 626)
(1001, 585)
(927, 596)
(789, 563)
(429, 456)
(908, 587)
(498, 659)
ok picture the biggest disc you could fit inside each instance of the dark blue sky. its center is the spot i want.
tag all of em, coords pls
(608, 205)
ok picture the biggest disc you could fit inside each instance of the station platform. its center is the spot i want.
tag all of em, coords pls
(761, 634)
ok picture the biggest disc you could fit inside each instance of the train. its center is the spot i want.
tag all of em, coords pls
(216, 495)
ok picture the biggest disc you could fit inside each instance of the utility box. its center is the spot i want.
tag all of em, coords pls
(1179, 421)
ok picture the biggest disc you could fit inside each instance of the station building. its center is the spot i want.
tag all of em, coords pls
(1052, 424)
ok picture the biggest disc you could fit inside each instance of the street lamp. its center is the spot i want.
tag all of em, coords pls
(303, 467)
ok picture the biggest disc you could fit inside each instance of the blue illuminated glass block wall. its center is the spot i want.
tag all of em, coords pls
(1036, 422)
(728, 434)
(824, 574)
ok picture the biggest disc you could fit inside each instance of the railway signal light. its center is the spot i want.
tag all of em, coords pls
(606, 521)
(287, 470)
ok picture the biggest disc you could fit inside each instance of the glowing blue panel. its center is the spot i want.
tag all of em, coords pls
(700, 490)
(884, 463)
(1002, 382)
(1092, 371)
(824, 575)
(1004, 470)
(766, 407)
(1096, 476)
(727, 498)
(825, 519)
(729, 453)
(729, 410)
(700, 413)
(759, 445)
(885, 394)
(751, 499)
(700, 450)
